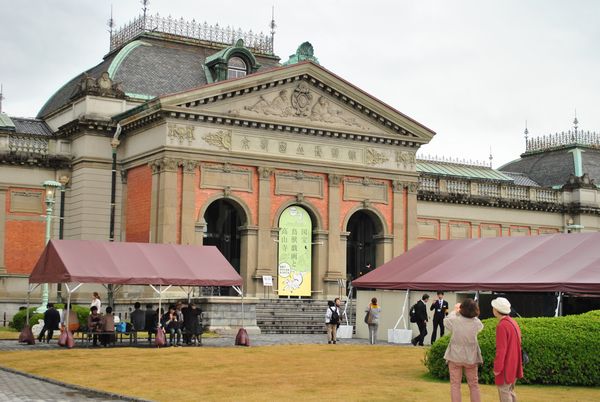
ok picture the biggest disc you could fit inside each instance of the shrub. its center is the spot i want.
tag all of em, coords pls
(563, 350)
(19, 319)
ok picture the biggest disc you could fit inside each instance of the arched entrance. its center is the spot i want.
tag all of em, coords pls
(361, 246)
(223, 221)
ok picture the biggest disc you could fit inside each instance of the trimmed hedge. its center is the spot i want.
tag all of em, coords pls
(18, 320)
(562, 350)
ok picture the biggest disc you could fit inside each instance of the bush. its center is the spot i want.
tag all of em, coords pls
(19, 319)
(563, 350)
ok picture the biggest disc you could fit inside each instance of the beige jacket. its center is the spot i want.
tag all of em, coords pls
(463, 347)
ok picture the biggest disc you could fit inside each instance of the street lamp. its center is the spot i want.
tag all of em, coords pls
(50, 186)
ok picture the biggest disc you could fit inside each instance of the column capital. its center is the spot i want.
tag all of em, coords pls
(334, 179)
(264, 173)
(189, 166)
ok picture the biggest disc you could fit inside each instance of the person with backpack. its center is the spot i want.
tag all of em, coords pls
(373, 311)
(332, 319)
(420, 317)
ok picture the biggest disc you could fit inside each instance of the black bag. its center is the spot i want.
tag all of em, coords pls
(335, 317)
(368, 316)
(413, 313)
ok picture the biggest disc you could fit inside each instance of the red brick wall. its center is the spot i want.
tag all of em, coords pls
(139, 190)
(385, 210)
(23, 240)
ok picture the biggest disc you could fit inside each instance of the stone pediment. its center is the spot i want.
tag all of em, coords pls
(298, 104)
(303, 95)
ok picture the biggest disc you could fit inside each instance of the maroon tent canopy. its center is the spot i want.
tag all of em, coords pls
(549, 263)
(89, 261)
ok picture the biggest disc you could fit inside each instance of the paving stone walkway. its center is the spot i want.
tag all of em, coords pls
(17, 387)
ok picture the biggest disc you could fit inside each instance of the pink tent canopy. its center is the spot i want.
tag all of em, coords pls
(89, 261)
(549, 263)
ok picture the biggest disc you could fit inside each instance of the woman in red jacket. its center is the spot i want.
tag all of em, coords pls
(508, 366)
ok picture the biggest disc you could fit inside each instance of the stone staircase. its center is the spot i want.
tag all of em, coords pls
(293, 316)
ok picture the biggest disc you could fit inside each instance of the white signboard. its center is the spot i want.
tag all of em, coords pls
(267, 280)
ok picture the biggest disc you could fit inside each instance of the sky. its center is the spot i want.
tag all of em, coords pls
(473, 71)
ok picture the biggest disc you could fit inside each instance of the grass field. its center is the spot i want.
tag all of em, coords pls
(284, 372)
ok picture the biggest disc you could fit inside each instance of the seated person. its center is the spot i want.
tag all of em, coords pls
(170, 322)
(150, 321)
(108, 327)
(94, 323)
(73, 319)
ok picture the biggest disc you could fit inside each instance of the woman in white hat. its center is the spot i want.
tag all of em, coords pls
(508, 364)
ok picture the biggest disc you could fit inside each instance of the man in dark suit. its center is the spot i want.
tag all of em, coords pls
(440, 311)
(421, 315)
(51, 321)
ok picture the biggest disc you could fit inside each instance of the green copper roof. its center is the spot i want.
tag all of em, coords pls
(458, 170)
(304, 52)
(123, 53)
(6, 123)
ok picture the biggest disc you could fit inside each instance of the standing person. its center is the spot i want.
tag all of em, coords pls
(96, 301)
(508, 365)
(332, 319)
(463, 351)
(138, 320)
(51, 322)
(192, 325)
(373, 320)
(440, 311)
(421, 316)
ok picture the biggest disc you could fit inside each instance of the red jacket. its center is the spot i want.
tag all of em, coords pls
(508, 361)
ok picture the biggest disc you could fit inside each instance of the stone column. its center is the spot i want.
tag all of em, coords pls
(264, 253)
(248, 246)
(155, 165)
(319, 259)
(384, 248)
(398, 217)
(3, 194)
(188, 202)
(335, 268)
(411, 214)
(123, 207)
(165, 194)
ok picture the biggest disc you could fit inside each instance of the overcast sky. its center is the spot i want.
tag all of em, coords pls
(473, 71)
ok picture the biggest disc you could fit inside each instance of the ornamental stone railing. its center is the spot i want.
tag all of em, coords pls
(491, 190)
(258, 42)
(25, 144)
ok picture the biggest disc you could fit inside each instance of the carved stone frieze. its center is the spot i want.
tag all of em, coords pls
(405, 159)
(374, 157)
(220, 139)
(278, 106)
(301, 99)
(181, 133)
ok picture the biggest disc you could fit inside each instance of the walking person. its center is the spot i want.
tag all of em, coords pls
(51, 322)
(440, 311)
(332, 319)
(463, 352)
(373, 320)
(422, 318)
(508, 364)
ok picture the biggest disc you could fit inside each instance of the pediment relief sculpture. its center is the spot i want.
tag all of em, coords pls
(300, 103)
(220, 139)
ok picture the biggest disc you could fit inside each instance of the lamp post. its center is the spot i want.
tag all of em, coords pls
(50, 186)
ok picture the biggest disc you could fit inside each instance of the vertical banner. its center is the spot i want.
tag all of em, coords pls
(295, 252)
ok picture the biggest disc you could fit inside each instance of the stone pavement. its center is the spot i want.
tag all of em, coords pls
(18, 387)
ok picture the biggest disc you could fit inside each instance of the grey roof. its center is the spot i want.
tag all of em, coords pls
(155, 67)
(30, 126)
(521, 179)
(553, 167)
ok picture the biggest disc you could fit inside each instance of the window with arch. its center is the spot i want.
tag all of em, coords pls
(236, 68)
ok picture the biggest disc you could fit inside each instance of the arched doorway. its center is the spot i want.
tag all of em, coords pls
(361, 246)
(223, 223)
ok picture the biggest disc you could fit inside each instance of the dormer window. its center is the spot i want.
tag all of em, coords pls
(236, 68)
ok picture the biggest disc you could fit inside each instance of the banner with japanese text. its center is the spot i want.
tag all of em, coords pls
(295, 252)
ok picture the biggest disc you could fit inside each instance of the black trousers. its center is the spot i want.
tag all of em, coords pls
(50, 333)
(422, 332)
(437, 323)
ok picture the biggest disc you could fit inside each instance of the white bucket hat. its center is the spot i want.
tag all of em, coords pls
(502, 305)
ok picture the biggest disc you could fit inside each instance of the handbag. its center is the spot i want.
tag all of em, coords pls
(368, 316)
(62, 338)
(26, 335)
(160, 340)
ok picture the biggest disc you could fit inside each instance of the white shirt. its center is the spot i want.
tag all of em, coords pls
(97, 303)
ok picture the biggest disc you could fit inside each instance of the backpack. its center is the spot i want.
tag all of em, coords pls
(412, 313)
(335, 317)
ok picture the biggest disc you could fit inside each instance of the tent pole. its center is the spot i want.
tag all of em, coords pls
(477, 295)
(68, 306)
(404, 308)
(558, 305)
(159, 305)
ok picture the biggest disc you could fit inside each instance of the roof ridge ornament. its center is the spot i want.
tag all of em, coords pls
(305, 52)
